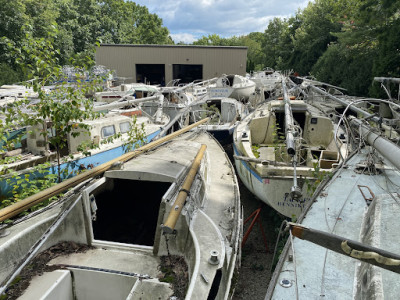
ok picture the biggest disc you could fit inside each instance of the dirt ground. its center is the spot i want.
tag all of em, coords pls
(254, 274)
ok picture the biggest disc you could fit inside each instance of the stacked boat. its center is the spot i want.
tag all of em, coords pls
(174, 226)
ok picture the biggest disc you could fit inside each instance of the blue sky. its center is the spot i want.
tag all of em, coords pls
(188, 20)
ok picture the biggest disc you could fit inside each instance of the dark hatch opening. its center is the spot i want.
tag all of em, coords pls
(216, 103)
(129, 212)
(299, 117)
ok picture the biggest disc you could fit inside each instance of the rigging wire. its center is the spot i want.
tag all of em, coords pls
(294, 264)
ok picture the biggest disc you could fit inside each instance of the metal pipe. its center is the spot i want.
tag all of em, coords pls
(173, 216)
(194, 84)
(387, 79)
(122, 102)
(289, 123)
(375, 256)
(385, 84)
(388, 149)
(346, 103)
(20, 206)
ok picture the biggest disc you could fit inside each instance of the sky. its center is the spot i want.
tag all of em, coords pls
(189, 20)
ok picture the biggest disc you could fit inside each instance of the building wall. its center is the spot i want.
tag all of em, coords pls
(215, 60)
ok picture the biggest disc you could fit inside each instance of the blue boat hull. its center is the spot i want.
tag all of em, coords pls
(72, 168)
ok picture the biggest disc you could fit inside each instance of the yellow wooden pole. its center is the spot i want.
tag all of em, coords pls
(20, 206)
(169, 225)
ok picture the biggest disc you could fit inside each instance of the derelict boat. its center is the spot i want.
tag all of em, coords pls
(126, 227)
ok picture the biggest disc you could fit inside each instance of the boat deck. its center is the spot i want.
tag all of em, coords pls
(104, 273)
(309, 271)
(132, 261)
(129, 271)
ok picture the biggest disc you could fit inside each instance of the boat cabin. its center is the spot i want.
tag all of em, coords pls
(100, 129)
(267, 130)
(228, 110)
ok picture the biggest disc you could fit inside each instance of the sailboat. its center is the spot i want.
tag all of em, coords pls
(345, 243)
(283, 149)
(233, 86)
(163, 222)
(109, 135)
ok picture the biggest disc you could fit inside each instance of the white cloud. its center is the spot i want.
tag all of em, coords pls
(187, 38)
(191, 19)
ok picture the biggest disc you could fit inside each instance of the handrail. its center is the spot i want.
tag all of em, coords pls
(173, 216)
(20, 206)
(346, 103)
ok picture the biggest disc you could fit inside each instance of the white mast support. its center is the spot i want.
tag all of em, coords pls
(388, 149)
(289, 123)
(124, 101)
(167, 127)
(195, 84)
(295, 191)
(346, 103)
(159, 112)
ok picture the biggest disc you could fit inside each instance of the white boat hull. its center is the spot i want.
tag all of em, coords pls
(243, 92)
(273, 191)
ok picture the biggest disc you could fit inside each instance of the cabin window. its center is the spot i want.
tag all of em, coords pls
(51, 132)
(108, 131)
(124, 127)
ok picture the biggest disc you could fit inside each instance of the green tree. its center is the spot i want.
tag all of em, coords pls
(60, 109)
(80, 24)
(273, 36)
(255, 55)
(211, 40)
(8, 74)
(313, 36)
(366, 46)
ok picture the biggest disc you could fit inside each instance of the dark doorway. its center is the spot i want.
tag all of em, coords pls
(299, 117)
(187, 73)
(128, 212)
(150, 74)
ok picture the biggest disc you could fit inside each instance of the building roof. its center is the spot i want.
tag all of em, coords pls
(173, 46)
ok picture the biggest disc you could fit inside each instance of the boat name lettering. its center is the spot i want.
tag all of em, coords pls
(219, 92)
(288, 201)
(291, 204)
